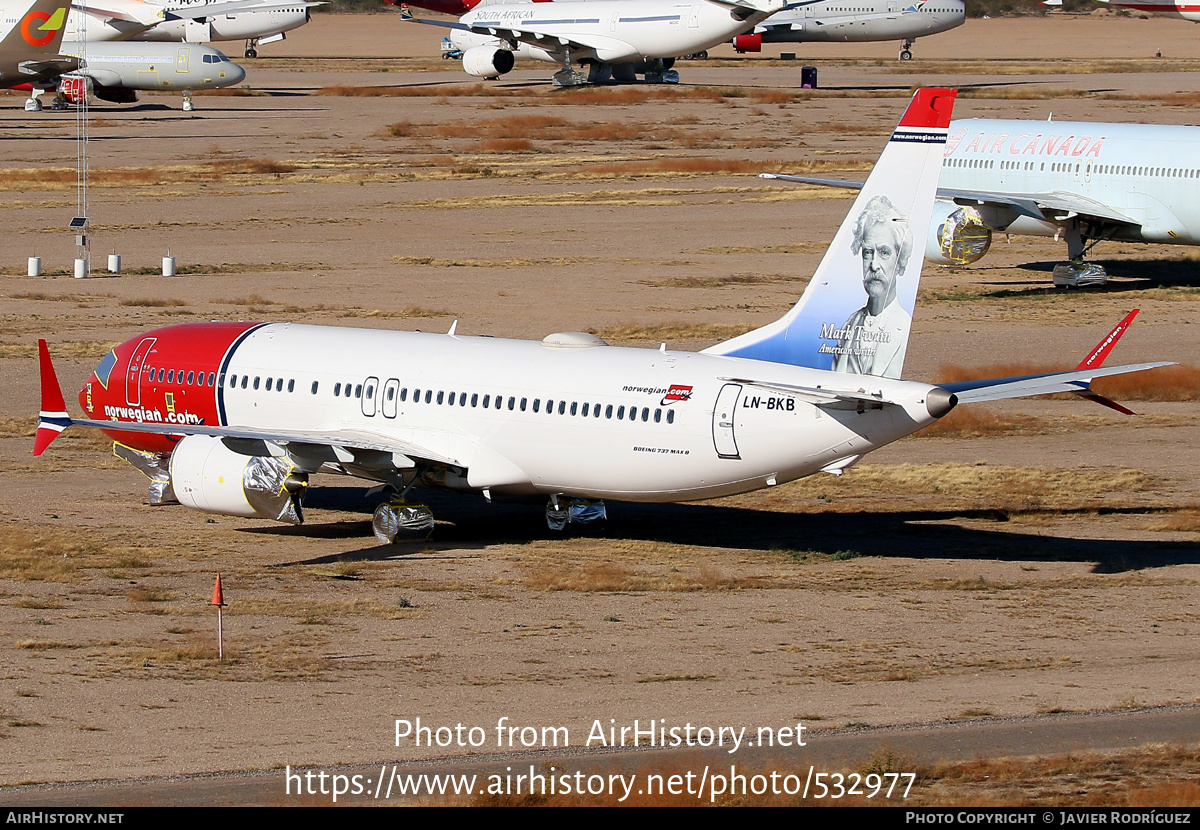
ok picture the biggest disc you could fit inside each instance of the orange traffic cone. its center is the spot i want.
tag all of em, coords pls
(218, 597)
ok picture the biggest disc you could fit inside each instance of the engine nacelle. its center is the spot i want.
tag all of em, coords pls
(208, 476)
(487, 61)
(957, 235)
(75, 88)
(747, 43)
(115, 94)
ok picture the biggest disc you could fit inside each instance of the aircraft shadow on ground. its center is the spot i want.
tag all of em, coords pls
(470, 524)
(1124, 275)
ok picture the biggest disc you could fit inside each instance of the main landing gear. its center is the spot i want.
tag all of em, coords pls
(252, 48)
(397, 520)
(1077, 273)
(562, 511)
(906, 50)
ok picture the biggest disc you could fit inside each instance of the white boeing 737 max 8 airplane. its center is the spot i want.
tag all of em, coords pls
(236, 417)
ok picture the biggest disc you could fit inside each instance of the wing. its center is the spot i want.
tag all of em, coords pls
(1054, 206)
(548, 41)
(49, 68)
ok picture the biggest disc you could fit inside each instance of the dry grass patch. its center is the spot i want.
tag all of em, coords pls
(979, 422)
(44, 554)
(509, 262)
(613, 578)
(64, 178)
(153, 302)
(286, 658)
(994, 486)
(1152, 776)
(321, 612)
(69, 349)
(1186, 520)
(732, 280)
(642, 333)
(438, 91)
(408, 312)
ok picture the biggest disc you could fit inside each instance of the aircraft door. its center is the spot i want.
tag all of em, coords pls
(182, 58)
(133, 380)
(391, 394)
(1087, 171)
(368, 397)
(694, 17)
(612, 21)
(724, 439)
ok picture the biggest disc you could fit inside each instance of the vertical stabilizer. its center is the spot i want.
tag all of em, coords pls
(856, 313)
(37, 33)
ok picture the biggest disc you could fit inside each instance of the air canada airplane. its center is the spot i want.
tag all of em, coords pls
(188, 21)
(1082, 182)
(855, 21)
(615, 39)
(235, 418)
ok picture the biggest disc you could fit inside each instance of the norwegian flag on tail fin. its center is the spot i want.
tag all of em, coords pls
(53, 418)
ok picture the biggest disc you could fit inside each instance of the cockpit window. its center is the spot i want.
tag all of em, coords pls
(104, 370)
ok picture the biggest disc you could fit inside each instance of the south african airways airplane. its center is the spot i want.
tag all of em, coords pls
(235, 418)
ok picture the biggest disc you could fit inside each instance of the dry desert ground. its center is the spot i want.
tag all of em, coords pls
(1036, 558)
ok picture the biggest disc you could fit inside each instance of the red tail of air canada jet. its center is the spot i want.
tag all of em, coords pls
(236, 418)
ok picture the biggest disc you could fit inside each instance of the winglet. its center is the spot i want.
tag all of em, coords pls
(1098, 355)
(53, 418)
(405, 12)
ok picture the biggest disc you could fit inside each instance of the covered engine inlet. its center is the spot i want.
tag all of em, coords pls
(958, 235)
(208, 476)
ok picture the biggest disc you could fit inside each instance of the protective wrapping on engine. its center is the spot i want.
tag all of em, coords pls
(265, 482)
(154, 467)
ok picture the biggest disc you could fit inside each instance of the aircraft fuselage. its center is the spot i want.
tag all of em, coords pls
(509, 417)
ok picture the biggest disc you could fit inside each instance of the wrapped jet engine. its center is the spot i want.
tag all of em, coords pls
(208, 476)
(958, 235)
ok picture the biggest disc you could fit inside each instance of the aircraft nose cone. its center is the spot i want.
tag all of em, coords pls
(235, 74)
(939, 401)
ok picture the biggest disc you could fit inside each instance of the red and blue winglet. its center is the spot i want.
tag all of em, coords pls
(1098, 355)
(53, 418)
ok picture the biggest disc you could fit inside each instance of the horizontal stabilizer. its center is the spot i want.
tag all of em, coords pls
(998, 389)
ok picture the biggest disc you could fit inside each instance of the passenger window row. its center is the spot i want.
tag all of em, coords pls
(191, 378)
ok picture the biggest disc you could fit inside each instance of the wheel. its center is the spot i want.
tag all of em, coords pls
(906, 55)
(188, 106)
(252, 53)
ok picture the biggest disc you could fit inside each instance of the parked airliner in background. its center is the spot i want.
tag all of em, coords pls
(1079, 181)
(616, 39)
(1185, 11)
(235, 417)
(30, 36)
(860, 21)
(189, 21)
(34, 56)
